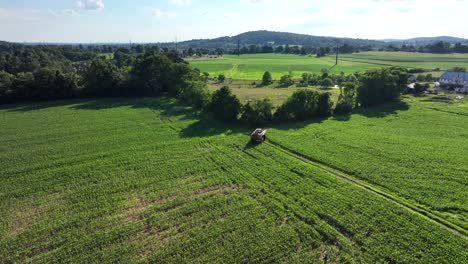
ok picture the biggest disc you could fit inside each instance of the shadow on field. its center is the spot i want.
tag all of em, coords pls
(342, 118)
(382, 110)
(33, 106)
(207, 127)
(167, 108)
(293, 125)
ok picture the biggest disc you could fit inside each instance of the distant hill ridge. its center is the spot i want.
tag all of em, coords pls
(264, 37)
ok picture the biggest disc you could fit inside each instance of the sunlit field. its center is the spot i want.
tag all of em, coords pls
(252, 66)
(138, 180)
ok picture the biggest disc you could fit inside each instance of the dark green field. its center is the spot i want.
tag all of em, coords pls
(138, 180)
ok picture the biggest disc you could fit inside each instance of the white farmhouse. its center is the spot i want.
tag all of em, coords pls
(455, 80)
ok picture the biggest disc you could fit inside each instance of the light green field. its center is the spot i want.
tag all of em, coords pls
(252, 66)
(147, 180)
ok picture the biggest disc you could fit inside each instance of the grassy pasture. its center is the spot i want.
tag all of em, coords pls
(137, 180)
(252, 66)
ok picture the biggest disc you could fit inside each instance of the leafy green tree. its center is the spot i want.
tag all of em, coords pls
(420, 78)
(419, 88)
(351, 78)
(6, 81)
(102, 78)
(429, 77)
(327, 82)
(402, 76)
(23, 85)
(224, 105)
(458, 69)
(378, 86)
(154, 74)
(195, 93)
(258, 113)
(266, 79)
(325, 73)
(286, 81)
(221, 78)
(347, 99)
(306, 79)
(44, 84)
(302, 105)
(324, 105)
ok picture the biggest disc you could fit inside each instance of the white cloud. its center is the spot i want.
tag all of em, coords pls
(64, 12)
(90, 4)
(163, 14)
(181, 2)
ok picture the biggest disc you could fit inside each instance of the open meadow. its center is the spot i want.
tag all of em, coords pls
(137, 180)
(252, 66)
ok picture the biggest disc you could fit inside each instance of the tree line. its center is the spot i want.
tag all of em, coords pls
(155, 72)
(436, 47)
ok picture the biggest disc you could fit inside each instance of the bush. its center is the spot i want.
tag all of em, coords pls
(221, 78)
(266, 80)
(327, 82)
(458, 69)
(258, 113)
(419, 88)
(429, 78)
(343, 106)
(286, 81)
(420, 78)
(224, 105)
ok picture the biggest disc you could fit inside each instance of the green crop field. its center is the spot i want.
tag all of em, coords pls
(253, 66)
(138, 180)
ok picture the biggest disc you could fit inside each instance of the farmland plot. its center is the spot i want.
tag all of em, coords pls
(252, 66)
(414, 149)
(135, 180)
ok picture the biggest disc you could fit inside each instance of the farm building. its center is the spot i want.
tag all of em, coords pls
(455, 80)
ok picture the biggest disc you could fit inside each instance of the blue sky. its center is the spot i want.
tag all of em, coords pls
(163, 20)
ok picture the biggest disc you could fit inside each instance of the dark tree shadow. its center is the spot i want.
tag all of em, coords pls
(382, 111)
(37, 105)
(342, 118)
(207, 127)
(293, 125)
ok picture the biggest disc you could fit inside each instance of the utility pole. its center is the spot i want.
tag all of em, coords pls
(337, 51)
(238, 45)
(176, 44)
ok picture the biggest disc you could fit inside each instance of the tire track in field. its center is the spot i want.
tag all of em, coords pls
(454, 228)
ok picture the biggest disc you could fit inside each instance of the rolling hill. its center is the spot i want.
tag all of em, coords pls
(264, 37)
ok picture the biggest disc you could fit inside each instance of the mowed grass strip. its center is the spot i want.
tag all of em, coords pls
(136, 180)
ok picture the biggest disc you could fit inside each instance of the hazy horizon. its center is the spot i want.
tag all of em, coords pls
(146, 21)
